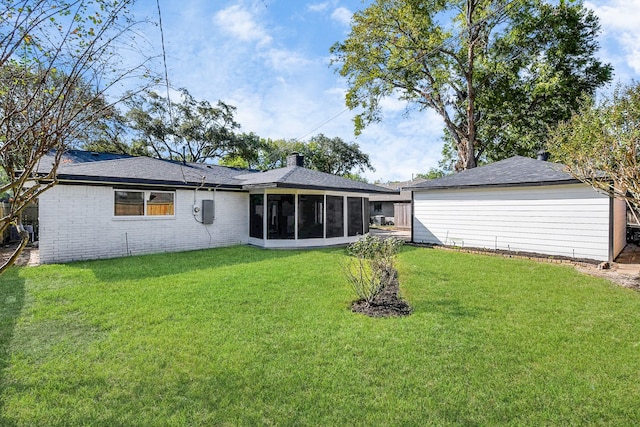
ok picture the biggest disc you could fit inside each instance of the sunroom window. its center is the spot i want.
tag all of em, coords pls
(310, 216)
(281, 216)
(335, 216)
(354, 212)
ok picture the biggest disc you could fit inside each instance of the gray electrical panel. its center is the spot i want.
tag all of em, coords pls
(208, 212)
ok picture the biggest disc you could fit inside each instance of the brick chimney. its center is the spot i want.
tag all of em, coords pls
(295, 159)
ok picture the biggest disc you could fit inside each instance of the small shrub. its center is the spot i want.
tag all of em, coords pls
(365, 281)
(370, 266)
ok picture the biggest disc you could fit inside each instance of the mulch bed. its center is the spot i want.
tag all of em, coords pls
(386, 304)
(554, 259)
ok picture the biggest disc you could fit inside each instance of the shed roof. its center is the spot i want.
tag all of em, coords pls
(514, 171)
(83, 166)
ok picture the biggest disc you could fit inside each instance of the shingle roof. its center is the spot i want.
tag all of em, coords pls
(299, 177)
(402, 197)
(514, 171)
(103, 167)
(84, 166)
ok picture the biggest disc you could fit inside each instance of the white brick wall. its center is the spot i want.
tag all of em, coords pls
(77, 223)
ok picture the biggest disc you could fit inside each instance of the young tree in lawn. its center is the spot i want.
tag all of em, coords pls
(600, 144)
(459, 57)
(58, 61)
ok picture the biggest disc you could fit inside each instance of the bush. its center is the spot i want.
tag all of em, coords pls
(370, 265)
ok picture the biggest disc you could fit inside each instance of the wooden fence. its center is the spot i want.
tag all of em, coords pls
(402, 214)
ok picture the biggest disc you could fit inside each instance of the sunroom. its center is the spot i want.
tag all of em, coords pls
(285, 218)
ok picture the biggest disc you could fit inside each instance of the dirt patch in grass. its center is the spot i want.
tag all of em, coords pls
(27, 257)
(625, 280)
(386, 304)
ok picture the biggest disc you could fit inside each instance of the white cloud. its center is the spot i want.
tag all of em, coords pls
(342, 15)
(620, 33)
(631, 43)
(400, 148)
(617, 15)
(239, 23)
(319, 7)
(285, 60)
(393, 105)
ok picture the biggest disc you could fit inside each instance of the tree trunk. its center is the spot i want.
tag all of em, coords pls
(470, 155)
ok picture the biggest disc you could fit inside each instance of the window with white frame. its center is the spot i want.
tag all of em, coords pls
(143, 203)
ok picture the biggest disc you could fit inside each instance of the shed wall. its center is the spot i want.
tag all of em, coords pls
(566, 220)
(77, 223)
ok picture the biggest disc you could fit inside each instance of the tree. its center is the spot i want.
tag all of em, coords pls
(246, 155)
(335, 156)
(321, 153)
(58, 61)
(555, 66)
(477, 63)
(110, 134)
(433, 173)
(273, 154)
(188, 130)
(600, 144)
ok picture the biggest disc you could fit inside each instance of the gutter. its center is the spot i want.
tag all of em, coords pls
(314, 187)
(129, 182)
(611, 228)
(501, 185)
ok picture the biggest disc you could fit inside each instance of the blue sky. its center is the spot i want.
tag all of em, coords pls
(270, 59)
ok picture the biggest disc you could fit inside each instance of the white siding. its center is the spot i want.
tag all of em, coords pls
(567, 220)
(77, 223)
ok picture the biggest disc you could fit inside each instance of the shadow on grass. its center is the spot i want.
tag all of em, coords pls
(12, 294)
(166, 264)
(453, 308)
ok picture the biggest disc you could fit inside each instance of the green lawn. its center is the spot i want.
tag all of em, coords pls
(243, 336)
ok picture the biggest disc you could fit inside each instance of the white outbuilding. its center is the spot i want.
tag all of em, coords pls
(519, 205)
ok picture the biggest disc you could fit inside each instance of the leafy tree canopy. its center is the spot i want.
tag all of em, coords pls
(433, 173)
(600, 144)
(499, 72)
(321, 153)
(189, 130)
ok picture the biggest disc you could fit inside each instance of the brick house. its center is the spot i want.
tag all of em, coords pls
(108, 205)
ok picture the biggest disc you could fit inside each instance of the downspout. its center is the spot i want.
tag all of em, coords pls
(412, 216)
(611, 226)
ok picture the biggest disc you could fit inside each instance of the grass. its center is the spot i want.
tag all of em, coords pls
(243, 336)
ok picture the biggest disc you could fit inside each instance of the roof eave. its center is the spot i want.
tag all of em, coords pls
(502, 185)
(102, 180)
(314, 187)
